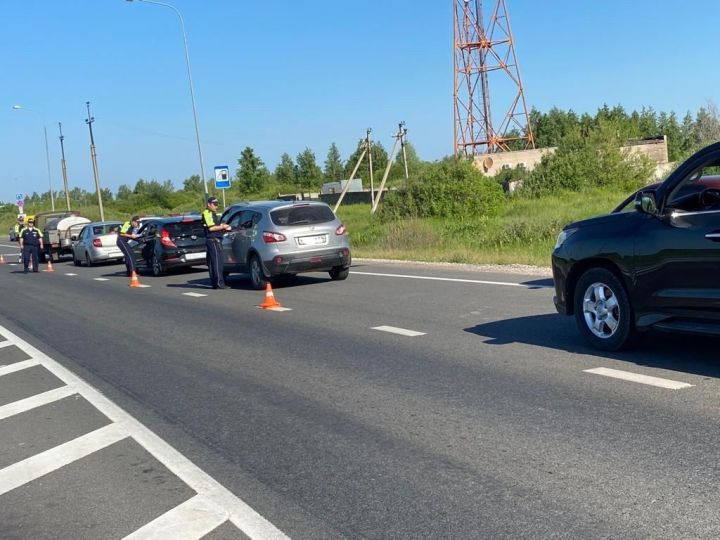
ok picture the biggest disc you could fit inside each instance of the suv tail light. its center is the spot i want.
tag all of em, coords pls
(340, 230)
(270, 237)
(165, 239)
(97, 242)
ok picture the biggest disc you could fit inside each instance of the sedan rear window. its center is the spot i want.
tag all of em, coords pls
(105, 229)
(185, 229)
(302, 215)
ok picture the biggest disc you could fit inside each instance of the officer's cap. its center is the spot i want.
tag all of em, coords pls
(31, 220)
(212, 200)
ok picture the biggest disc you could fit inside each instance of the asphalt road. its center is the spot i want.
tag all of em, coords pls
(484, 425)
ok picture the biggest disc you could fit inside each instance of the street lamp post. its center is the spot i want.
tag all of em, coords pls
(47, 153)
(192, 91)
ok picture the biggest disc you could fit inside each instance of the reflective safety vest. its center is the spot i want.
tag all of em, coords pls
(210, 219)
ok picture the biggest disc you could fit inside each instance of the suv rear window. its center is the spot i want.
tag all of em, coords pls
(302, 215)
(185, 229)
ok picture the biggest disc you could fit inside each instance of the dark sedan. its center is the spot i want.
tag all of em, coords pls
(652, 263)
(169, 243)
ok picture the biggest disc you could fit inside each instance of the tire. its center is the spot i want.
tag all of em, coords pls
(75, 261)
(339, 273)
(88, 260)
(257, 276)
(156, 266)
(602, 310)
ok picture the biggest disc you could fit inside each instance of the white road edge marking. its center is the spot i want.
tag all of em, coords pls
(456, 280)
(194, 294)
(239, 512)
(192, 519)
(400, 331)
(637, 378)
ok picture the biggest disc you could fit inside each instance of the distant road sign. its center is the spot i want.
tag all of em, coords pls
(19, 196)
(222, 177)
(20, 203)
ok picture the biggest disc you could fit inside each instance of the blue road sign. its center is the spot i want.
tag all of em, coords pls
(222, 177)
(19, 196)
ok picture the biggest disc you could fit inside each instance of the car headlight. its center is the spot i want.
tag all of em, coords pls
(564, 235)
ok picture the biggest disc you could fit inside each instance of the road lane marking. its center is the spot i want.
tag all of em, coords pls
(141, 286)
(400, 331)
(277, 308)
(101, 279)
(240, 513)
(192, 519)
(642, 379)
(18, 366)
(37, 400)
(194, 294)
(71, 274)
(5, 344)
(34, 467)
(456, 280)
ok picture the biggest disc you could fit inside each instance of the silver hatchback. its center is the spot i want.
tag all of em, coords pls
(97, 242)
(275, 238)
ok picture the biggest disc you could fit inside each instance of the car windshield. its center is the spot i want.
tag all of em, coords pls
(302, 215)
(185, 229)
(105, 229)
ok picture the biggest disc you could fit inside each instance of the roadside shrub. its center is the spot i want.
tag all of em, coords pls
(447, 189)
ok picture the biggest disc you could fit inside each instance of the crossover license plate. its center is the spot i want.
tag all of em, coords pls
(312, 240)
(194, 256)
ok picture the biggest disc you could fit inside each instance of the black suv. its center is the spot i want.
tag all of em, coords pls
(654, 262)
(170, 242)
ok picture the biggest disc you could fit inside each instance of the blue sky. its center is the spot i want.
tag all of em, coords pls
(284, 75)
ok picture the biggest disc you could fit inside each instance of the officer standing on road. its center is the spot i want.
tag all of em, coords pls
(213, 240)
(128, 231)
(31, 242)
(19, 226)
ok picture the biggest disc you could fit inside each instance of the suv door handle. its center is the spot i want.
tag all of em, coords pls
(714, 236)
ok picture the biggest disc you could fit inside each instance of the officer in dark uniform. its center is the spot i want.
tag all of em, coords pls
(128, 231)
(31, 242)
(213, 240)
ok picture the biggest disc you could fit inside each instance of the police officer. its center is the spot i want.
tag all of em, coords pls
(213, 240)
(19, 226)
(128, 231)
(31, 242)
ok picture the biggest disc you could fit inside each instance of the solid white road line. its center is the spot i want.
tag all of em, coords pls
(34, 467)
(642, 379)
(18, 366)
(194, 294)
(241, 514)
(400, 331)
(456, 280)
(192, 519)
(101, 279)
(38, 400)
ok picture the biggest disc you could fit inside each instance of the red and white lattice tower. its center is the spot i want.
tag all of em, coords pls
(482, 53)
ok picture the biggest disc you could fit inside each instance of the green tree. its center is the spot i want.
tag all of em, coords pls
(193, 184)
(333, 165)
(308, 172)
(379, 161)
(285, 172)
(252, 174)
(123, 193)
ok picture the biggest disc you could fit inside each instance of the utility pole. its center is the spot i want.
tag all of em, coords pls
(368, 142)
(403, 142)
(89, 121)
(64, 169)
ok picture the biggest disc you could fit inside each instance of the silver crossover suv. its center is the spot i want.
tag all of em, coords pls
(274, 238)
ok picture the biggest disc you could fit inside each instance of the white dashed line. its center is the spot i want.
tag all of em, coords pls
(642, 379)
(71, 274)
(141, 286)
(400, 331)
(456, 280)
(279, 308)
(194, 294)
(101, 279)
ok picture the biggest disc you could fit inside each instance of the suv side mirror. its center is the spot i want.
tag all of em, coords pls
(645, 202)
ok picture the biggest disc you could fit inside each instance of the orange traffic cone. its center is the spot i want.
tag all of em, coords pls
(134, 281)
(269, 301)
(2, 259)
(50, 266)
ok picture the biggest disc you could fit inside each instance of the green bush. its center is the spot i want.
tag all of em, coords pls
(448, 189)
